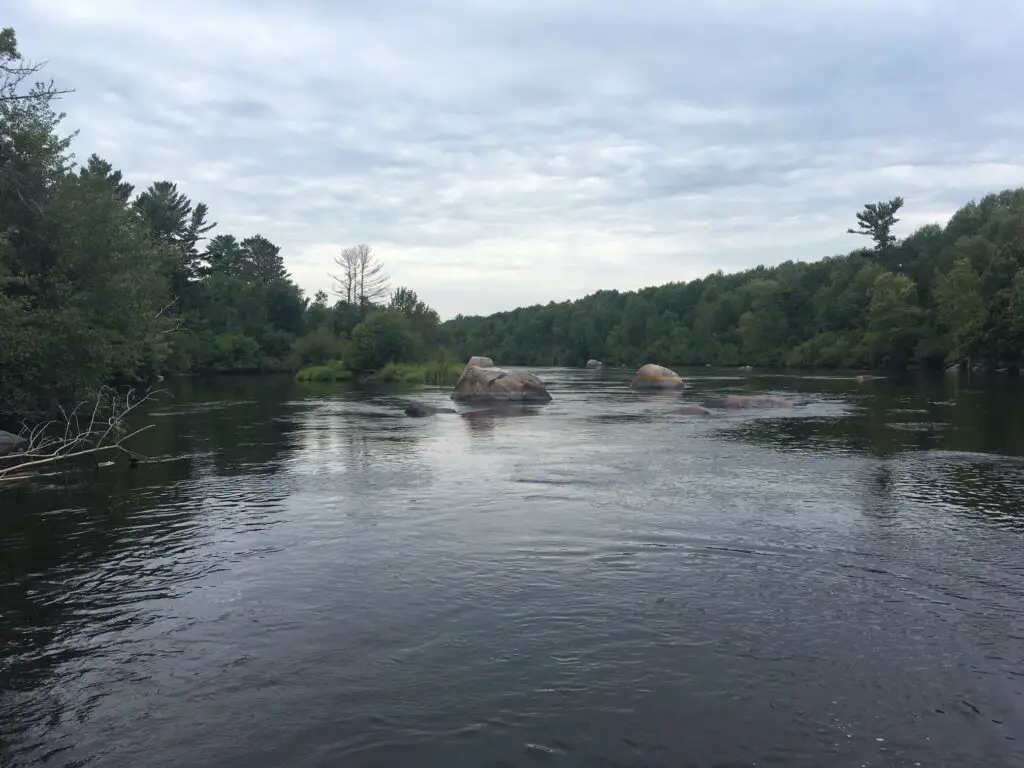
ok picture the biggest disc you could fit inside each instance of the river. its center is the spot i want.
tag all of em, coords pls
(303, 576)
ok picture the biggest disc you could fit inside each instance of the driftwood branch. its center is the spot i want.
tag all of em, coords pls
(166, 306)
(88, 429)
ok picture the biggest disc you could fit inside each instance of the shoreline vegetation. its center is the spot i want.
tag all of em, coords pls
(103, 284)
(414, 374)
(945, 297)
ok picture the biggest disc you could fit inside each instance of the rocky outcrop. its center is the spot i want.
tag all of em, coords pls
(483, 362)
(653, 376)
(594, 364)
(487, 384)
(419, 410)
(747, 401)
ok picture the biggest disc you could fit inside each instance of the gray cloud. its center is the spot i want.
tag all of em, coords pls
(506, 153)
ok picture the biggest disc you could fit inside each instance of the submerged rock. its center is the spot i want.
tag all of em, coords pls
(423, 409)
(594, 364)
(690, 409)
(747, 401)
(653, 376)
(490, 384)
(10, 442)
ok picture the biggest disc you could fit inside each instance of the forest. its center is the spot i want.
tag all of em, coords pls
(102, 283)
(944, 295)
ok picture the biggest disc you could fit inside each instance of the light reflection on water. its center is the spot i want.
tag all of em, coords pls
(305, 576)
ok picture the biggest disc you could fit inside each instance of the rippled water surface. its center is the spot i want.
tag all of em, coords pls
(306, 577)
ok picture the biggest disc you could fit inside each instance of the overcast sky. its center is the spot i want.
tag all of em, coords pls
(497, 153)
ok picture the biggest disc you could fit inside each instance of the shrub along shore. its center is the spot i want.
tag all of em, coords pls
(435, 374)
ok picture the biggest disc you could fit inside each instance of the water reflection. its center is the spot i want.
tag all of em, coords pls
(985, 488)
(909, 470)
(303, 575)
(484, 420)
(899, 416)
(81, 558)
(358, 445)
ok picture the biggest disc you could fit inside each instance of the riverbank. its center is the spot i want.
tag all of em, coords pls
(437, 374)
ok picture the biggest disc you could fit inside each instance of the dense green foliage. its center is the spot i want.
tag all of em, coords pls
(439, 373)
(942, 295)
(101, 284)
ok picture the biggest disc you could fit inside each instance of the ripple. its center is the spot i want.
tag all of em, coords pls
(319, 580)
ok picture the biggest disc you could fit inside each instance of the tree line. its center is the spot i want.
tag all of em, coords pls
(102, 283)
(944, 295)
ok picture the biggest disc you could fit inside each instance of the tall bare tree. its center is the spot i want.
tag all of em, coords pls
(362, 279)
(345, 282)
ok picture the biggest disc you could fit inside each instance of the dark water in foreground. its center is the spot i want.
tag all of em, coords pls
(304, 577)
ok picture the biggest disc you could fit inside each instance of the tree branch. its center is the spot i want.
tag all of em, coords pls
(178, 321)
(104, 431)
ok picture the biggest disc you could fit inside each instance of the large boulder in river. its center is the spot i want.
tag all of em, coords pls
(479, 384)
(594, 364)
(653, 376)
(483, 362)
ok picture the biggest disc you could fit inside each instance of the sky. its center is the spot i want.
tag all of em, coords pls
(500, 153)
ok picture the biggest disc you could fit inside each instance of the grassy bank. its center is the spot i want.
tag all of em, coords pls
(331, 371)
(436, 374)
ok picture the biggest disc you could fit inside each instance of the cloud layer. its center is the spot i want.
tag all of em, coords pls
(497, 154)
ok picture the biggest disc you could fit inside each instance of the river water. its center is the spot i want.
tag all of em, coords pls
(303, 576)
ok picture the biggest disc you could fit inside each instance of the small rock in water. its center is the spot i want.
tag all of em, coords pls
(422, 409)
(746, 401)
(690, 409)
